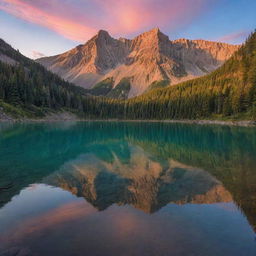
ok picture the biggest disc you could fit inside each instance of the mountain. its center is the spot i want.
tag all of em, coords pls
(148, 58)
(228, 92)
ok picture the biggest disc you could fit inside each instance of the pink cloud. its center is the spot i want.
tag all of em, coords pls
(133, 15)
(30, 12)
(234, 37)
(37, 55)
(79, 20)
(64, 214)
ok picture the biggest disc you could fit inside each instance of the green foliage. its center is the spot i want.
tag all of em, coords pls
(102, 88)
(121, 90)
(22, 111)
(158, 85)
(105, 88)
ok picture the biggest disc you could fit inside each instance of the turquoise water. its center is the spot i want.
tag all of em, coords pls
(109, 188)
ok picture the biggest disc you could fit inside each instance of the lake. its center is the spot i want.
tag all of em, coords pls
(110, 188)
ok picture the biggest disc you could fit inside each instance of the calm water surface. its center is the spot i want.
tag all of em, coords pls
(127, 189)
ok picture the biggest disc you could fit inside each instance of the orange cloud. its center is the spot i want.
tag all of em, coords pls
(79, 20)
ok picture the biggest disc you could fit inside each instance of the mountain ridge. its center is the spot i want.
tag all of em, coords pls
(147, 58)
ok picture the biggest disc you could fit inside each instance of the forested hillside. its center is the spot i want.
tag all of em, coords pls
(27, 86)
(228, 92)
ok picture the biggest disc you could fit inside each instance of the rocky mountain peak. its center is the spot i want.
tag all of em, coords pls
(154, 31)
(148, 58)
(103, 34)
(153, 35)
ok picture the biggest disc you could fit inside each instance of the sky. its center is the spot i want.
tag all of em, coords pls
(49, 27)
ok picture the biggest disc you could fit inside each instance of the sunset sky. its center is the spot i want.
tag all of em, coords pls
(48, 27)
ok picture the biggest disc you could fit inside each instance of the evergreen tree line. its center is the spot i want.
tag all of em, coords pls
(34, 85)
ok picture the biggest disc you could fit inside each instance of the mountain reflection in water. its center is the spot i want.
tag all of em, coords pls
(140, 180)
(127, 189)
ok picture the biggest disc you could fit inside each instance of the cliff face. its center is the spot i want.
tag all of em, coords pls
(200, 57)
(145, 59)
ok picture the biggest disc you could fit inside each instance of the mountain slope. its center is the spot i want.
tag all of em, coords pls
(147, 58)
(26, 87)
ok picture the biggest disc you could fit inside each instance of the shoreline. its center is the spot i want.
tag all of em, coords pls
(66, 116)
(244, 123)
